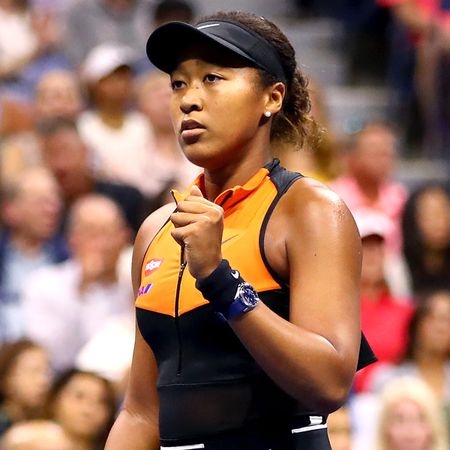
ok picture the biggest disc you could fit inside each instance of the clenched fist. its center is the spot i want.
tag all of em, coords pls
(199, 227)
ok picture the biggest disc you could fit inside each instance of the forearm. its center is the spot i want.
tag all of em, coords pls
(133, 432)
(304, 364)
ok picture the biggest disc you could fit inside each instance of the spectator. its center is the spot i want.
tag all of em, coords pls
(340, 429)
(165, 159)
(428, 350)
(94, 22)
(57, 94)
(16, 20)
(83, 404)
(16, 116)
(110, 350)
(426, 228)
(368, 183)
(92, 290)
(384, 317)
(16, 120)
(31, 208)
(173, 10)
(24, 382)
(165, 11)
(36, 435)
(116, 135)
(67, 156)
(428, 25)
(35, 35)
(410, 418)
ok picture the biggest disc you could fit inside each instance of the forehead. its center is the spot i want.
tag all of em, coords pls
(36, 184)
(209, 53)
(56, 81)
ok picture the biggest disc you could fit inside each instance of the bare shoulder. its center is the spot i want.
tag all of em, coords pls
(311, 203)
(312, 214)
(148, 230)
(154, 222)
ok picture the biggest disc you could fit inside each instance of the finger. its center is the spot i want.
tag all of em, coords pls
(195, 191)
(197, 199)
(198, 205)
(181, 219)
(182, 234)
(197, 208)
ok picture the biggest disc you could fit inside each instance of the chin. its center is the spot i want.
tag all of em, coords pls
(197, 154)
(208, 156)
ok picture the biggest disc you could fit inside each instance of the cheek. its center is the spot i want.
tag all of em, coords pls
(65, 409)
(101, 415)
(237, 119)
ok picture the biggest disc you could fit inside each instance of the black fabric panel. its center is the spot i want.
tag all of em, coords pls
(282, 179)
(366, 354)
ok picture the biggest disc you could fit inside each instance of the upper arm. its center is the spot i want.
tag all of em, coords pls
(145, 235)
(141, 393)
(141, 397)
(323, 250)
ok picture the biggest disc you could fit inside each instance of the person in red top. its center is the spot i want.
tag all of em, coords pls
(428, 25)
(384, 317)
(367, 185)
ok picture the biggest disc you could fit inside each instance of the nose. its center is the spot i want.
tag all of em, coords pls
(191, 99)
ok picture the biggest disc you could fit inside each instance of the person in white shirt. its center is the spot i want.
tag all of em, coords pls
(66, 304)
(116, 134)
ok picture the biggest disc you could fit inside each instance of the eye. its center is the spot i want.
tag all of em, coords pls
(177, 84)
(211, 78)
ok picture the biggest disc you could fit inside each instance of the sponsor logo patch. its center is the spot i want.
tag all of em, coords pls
(144, 289)
(152, 265)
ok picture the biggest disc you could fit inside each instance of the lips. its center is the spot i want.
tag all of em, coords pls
(190, 124)
(191, 130)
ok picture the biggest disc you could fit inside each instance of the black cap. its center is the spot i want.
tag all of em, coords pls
(167, 42)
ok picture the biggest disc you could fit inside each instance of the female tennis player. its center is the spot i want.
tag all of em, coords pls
(248, 329)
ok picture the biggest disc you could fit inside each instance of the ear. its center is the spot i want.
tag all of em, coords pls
(275, 97)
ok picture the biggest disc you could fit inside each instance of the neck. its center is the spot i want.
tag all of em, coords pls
(426, 360)
(432, 370)
(112, 115)
(434, 260)
(106, 278)
(236, 173)
(81, 443)
(84, 186)
(370, 188)
(27, 245)
(17, 412)
(372, 290)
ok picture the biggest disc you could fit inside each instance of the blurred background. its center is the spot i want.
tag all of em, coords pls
(87, 151)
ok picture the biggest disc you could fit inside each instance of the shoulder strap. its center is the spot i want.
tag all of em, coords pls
(281, 177)
(283, 180)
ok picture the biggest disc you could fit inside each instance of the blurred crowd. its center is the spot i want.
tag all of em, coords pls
(87, 151)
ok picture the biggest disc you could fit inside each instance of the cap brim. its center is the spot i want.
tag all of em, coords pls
(167, 43)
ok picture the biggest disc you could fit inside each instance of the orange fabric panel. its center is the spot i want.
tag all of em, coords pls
(245, 208)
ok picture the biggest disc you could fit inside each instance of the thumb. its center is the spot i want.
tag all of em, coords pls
(195, 190)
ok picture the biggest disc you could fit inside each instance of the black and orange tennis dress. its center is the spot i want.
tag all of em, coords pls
(212, 393)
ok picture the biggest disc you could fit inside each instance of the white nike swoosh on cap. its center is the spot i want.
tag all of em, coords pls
(208, 26)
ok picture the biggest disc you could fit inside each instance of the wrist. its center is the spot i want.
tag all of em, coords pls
(208, 271)
(227, 292)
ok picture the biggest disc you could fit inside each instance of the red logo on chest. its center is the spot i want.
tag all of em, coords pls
(152, 265)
